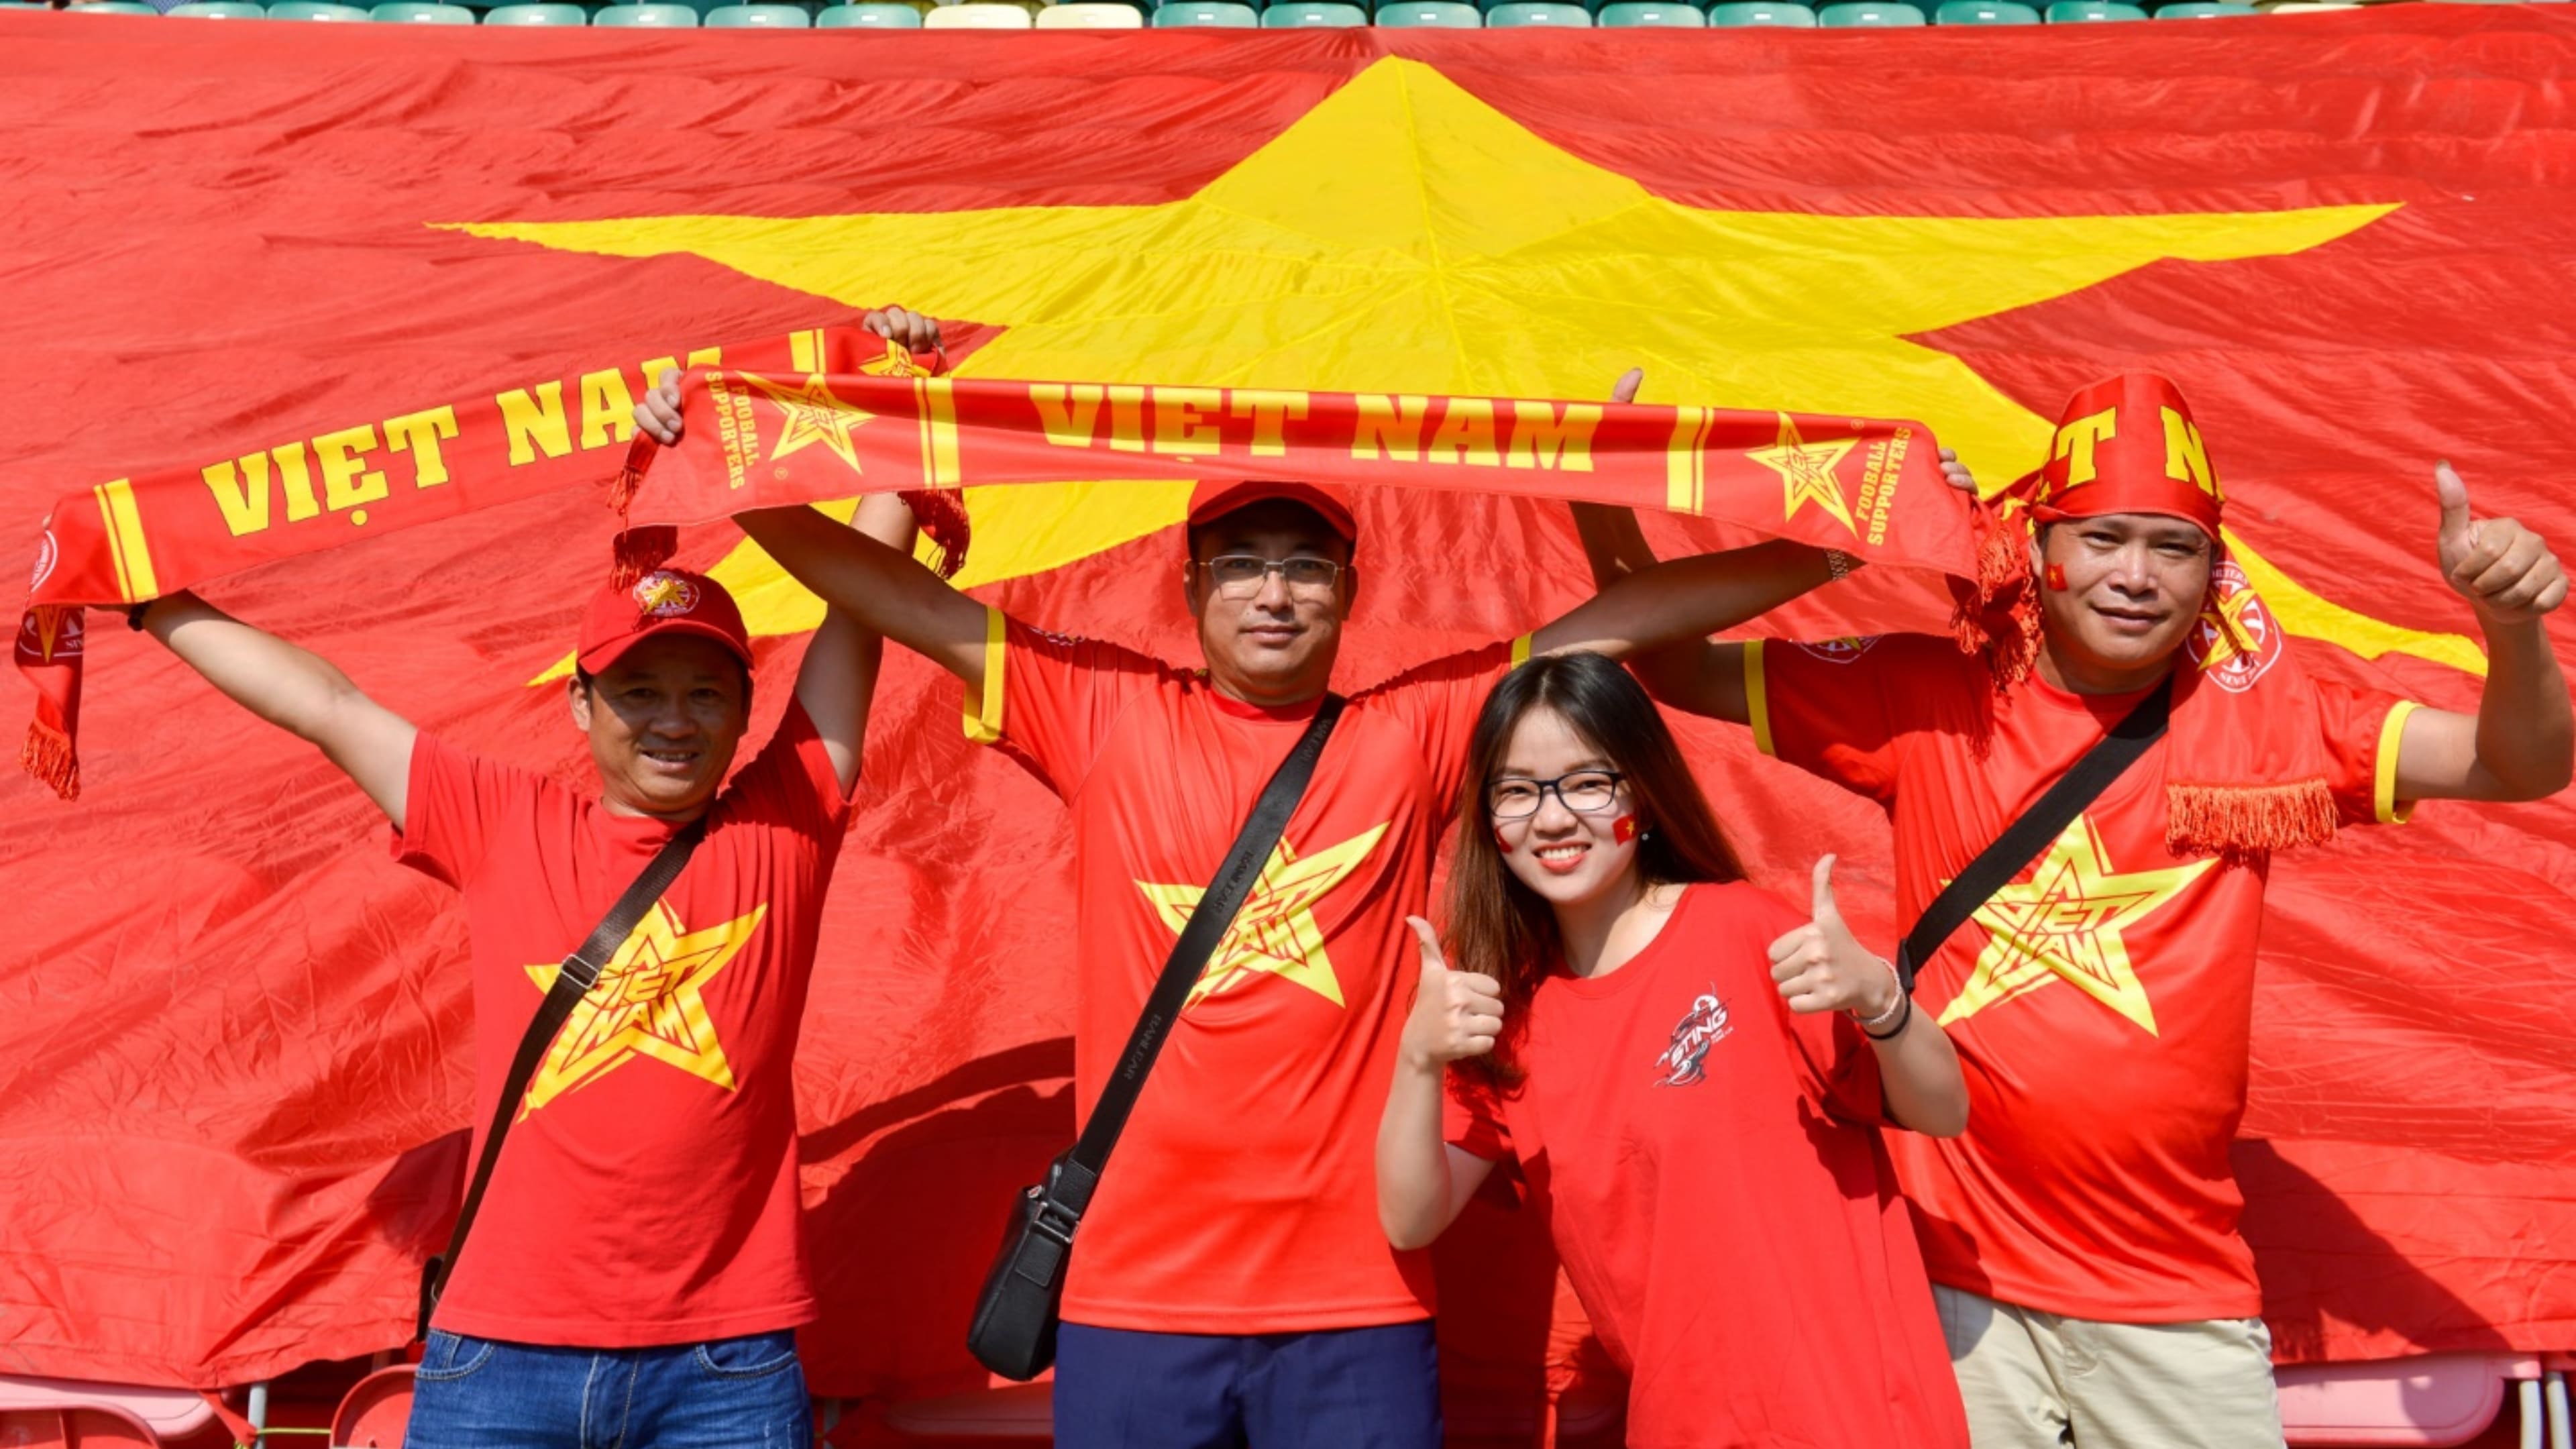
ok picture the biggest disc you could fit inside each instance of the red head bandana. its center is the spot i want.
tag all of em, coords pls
(2127, 444)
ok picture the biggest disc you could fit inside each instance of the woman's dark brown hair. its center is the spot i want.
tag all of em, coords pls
(1501, 927)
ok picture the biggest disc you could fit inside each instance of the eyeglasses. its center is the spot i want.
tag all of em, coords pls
(1585, 792)
(1240, 575)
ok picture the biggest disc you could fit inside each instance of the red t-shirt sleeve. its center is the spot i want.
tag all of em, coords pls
(1471, 1116)
(791, 781)
(1837, 1067)
(1051, 699)
(2362, 728)
(1437, 704)
(1836, 709)
(453, 807)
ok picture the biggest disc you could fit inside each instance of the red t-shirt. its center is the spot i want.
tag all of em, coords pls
(2100, 1005)
(1711, 1170)
(647, 1192)
(1243, 1196)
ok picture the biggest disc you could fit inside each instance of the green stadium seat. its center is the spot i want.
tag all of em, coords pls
(758, 17)
(113, 7)
(220, 10)
(1868, 15)
(1762, 12)
(2065, 11)
(1312, 15)
(2205, 10)
(1185, 14)
(1984, 12)
(646, 16)
(1429, 15)
(537, 12)
(1537, 12)
(315, 10)
(421, 12)
(22, 5)
(868, 15)
(1627, 14)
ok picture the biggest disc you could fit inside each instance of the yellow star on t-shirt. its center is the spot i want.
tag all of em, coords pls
(814, 414)
(2064, 923)
(1275, 933)
(1807, 473)
(647, 1002)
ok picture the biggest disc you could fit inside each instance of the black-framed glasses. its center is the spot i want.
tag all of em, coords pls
(1240, 575)
(1585, 792)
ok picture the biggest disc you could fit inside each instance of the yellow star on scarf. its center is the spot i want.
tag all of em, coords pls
(1275, 933)
(647, 1002)
(2230, 626)
(1807, 473)
(1404, 236)
(813, 414)
(2064, 924)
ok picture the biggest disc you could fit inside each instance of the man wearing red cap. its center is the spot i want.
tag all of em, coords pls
(2082, 1236)
(634, 1275)
(1231, 1284)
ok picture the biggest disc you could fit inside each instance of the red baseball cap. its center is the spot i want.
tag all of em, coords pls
(665, 601)
(1214, 500)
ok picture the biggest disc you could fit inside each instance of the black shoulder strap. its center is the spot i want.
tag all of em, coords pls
(2044, 821)
(1207, 926)
(579, 973)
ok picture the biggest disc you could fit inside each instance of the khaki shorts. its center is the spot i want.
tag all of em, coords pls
(2033, 1379)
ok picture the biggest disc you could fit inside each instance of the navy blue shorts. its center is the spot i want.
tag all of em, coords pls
(1346, 1388)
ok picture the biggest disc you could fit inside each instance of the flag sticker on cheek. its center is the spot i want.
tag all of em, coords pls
(2057, 577)
(1502, 842)
(1624, 829)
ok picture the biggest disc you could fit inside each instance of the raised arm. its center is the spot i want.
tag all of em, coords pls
(1423, 1183)
(296, 690)
(2521, 743)
(1820, 967)
(838, 679)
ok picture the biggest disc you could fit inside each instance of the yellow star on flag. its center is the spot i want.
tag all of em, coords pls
(814, 414)
(1807, 473)
(2064, 924)
(1275, 933)
(1404, 236)
(647, 1002)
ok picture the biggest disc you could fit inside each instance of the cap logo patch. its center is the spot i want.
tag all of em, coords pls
(664, 595)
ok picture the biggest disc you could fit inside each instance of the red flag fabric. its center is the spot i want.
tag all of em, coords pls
(238, 1037)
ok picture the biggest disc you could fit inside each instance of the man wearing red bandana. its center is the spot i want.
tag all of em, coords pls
(2082, 1236)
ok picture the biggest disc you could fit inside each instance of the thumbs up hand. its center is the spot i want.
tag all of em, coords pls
(2503, 569)
(1455, 1013)
(1821, 968)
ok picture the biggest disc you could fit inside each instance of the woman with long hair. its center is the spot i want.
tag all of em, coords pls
(1688, 1076)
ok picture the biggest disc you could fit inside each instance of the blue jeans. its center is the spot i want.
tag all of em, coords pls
(1339, 1388)
(730, 1393)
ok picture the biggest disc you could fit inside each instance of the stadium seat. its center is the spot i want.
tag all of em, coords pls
(113, 7)
(758, 16)
(220, 10)
(1868, 15)
(421, 12)
(2065, 10)
(974, 15)
(1090, 15)
(1312, 15)
(1762, 12)
(537, 12)
(1627, 14)
(1429, 14)
(39, 1411)
(1984, 12)
(1183, 14)
(646, 16)
(868, 15)
(2205, 10)
(315, 10)
(1537, 12)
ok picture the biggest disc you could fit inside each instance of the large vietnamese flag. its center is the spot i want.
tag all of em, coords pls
(236, 1037)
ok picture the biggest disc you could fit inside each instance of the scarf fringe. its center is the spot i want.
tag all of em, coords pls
(940, 513)
(48, 756)
(2244, 819)
(639, 551)
(630, 474)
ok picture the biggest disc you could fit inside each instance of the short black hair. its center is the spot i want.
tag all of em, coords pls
(589, 682)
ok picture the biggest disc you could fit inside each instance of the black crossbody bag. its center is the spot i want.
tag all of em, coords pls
(1013, 1332)
(580, 972)
(2044, 821)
